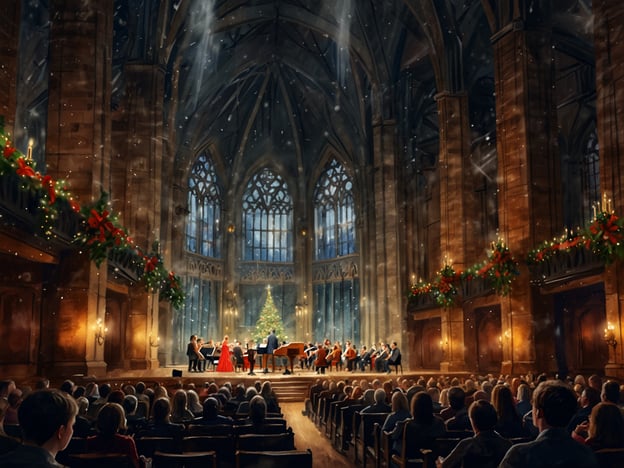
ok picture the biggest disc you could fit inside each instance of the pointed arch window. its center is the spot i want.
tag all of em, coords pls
(334, 213)
(267, 218)
(204, 205)
(590, 175)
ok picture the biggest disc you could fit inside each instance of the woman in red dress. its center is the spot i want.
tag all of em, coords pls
(225, 363)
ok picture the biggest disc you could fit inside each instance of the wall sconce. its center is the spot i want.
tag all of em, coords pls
(507, 334)
(154, 343)
(100, 331)
(443, 346)
(609, 335)
(231, 229)
(304, 232)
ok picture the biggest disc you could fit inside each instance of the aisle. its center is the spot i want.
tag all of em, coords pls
(307, 435)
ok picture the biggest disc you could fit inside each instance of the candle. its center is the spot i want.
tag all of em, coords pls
(29, 151)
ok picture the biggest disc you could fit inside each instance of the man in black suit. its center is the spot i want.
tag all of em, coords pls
(272, 345)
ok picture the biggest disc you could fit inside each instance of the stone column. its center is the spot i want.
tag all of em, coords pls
(386, 315)
(455, 199)
(78, 150)
(609, 47)
(9, 41)
(137, 170)
(529, 199)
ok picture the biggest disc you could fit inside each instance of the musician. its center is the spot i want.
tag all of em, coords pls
(310, 353)
(272, 345)
(251, 356)
(351, 356)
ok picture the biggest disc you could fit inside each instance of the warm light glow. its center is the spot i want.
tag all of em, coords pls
(29, 151)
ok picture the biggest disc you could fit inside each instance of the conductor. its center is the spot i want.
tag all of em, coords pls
(272, 345)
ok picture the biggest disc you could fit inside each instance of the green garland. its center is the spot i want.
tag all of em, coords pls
(101, 233)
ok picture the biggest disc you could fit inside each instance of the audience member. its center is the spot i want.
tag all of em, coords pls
(509, 423)
(554, 404)
(47, 419)
(380, 405)
(604, 428)
(486, 449)
(400, 412)
(110, 422)
(160, 424)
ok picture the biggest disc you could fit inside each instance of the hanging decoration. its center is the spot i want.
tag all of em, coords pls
(101, 234)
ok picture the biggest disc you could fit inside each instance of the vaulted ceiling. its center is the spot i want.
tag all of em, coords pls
(288, 79)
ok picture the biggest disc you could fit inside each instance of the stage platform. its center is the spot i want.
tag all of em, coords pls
(289, 387)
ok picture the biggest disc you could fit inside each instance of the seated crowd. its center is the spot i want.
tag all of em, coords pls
(107, 420)
(478, 422)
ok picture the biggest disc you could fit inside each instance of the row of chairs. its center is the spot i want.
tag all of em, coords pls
(243, 459)
(224, 446)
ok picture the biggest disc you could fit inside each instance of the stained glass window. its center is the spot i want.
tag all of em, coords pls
(334, 213)
(267, 219)
(204, 205)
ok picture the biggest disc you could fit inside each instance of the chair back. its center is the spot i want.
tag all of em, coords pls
(414, 441)
(266, 442)
(273, 459)
(207, 429)
(146, 446)
(610, 458)
(184, 460)
(100, 460)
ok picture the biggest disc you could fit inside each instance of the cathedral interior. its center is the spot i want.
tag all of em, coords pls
(441, 173)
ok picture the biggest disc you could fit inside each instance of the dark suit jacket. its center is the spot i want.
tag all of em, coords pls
(272, 343)
(553, 448)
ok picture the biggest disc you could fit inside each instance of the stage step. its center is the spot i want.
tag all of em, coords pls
(291, 390)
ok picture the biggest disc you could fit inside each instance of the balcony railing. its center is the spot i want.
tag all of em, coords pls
(564, 265)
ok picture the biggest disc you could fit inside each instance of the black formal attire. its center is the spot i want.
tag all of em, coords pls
(553, 447)
(272, 345)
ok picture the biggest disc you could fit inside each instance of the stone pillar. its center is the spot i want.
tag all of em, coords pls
(609, 48)
(386, 315)
(529, 199)
(78, 150)
(136, 180)
(9, 41)
(455, 203)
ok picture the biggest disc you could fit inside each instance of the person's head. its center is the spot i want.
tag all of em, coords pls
(380, 396)
(161, 410)
(595, 381)
(110, 419)
(503, 403)
(524, 392)
(193, 338)
(456, 397)
(83, 405)
(610, 392)
(116, 396)
(422, 408)
(47, 418)
(42, 383)
(554, 404)
(266, 391)
(67, 386)
(257, 409)
(590, 397)
(210, 408)
(105, 390)
(130, 404)
(399, 402)
(606, 425)
(250, 393)
(180, 401)
(482, 416)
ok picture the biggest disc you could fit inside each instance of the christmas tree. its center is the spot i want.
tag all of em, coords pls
(269, 320)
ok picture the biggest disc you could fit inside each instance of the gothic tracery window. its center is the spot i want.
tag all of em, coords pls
(204, 205)
(334, 215)
(267, 219)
